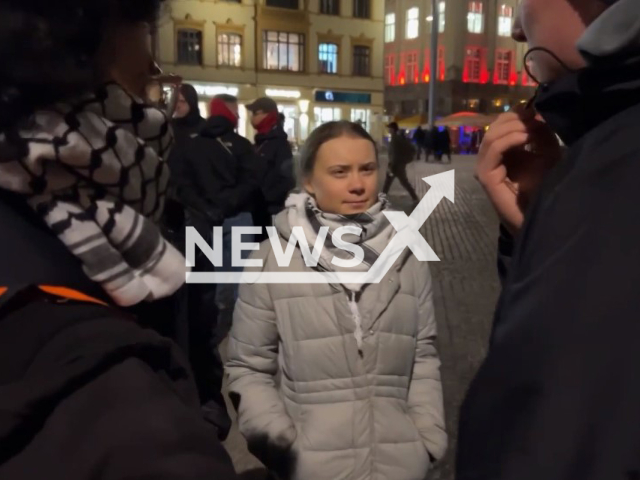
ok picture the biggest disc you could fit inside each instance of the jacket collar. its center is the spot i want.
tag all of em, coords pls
(580, 101)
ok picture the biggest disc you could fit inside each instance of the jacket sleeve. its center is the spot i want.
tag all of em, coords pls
(250, 176)
(252, 366)
(197, 174)
(425, 390)
(130, 413)
(281, 179)
(393, 149)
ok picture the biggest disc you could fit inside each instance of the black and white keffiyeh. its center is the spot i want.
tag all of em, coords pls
(93, 170)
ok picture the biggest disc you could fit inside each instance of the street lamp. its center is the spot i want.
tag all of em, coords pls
(435, 27)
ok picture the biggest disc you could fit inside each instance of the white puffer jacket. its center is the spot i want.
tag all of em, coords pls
(300, 381)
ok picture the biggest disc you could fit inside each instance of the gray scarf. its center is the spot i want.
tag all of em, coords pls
(93, 170)
(376, 232)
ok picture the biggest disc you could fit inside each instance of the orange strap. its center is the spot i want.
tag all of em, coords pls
(64, 292)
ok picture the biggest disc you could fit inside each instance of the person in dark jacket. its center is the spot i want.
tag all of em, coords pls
(557, 396)
(275, 153)
(419, 138)
(442, 144)
(87, 392)
(401, 153)
(187, 120)
(225, 174)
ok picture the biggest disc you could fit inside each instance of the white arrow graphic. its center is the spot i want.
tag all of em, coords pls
(407, 236)
(408, 228)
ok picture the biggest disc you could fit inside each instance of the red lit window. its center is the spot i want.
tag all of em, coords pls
(504, 64)
(473, 65)
(411, 66)
(390, 69)
(426, 75)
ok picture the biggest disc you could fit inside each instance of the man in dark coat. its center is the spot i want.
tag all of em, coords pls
(401, 152)
(557, 396)
(225, 174)
(274, 151)
(419, 138)
(86, 391)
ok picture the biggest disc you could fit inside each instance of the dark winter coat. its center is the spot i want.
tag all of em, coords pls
(88, 394)
(276, 157)
(222, 169)
(31, 254)
(557, 396)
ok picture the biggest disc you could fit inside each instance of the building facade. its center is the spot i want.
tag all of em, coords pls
(480, 67)
(320, 60)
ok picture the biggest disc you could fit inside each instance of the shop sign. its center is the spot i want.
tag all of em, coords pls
(342, 97)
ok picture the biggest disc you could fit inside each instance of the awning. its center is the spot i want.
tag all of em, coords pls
(410, 122)
(466, 119)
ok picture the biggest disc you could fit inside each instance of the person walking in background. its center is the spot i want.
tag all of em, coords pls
(225, 173)
(557, 396)
(276, 157)
(310, 365)
(427, 144)
(401, 152)
(83, 263)
(443, 144)
(418, 139)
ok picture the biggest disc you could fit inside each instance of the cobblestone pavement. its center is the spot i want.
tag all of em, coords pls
(464, 235)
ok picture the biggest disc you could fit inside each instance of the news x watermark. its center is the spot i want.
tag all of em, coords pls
(407, 236)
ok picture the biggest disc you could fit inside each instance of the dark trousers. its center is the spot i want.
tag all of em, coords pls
(401, 174)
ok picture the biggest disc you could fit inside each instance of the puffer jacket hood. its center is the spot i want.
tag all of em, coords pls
(614, 37)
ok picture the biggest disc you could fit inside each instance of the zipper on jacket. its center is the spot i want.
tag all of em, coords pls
(357, 319)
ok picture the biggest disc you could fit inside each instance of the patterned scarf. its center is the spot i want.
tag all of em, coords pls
(93, 170)
(376, 232)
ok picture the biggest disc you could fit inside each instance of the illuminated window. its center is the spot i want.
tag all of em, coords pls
(230, 49)
(505, 21)
(504, 63)
(283, 51)
(413, 23)
(411, 66)
(475, 18)
(390, 69)
(361, 116)
(326, 114)
(473, 64)
(390, 27)
(441, 16)
(440, 64)
(328, 58)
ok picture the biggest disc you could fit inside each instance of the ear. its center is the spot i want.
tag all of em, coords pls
(308, 185)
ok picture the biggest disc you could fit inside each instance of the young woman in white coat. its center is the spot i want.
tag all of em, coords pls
(337, 381)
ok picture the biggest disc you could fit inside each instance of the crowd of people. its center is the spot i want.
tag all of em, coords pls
(110, 365)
